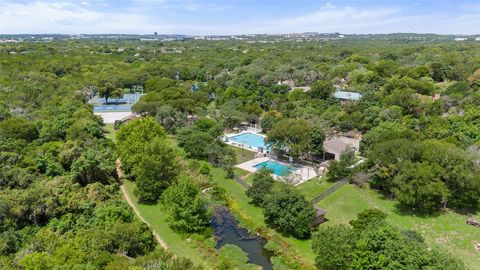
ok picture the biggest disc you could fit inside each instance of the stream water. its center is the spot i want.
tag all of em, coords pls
(227, 231)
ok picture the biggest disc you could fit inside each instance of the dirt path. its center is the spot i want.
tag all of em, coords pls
(133, 206)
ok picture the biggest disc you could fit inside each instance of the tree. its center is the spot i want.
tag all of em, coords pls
(289, 212)
(18, 128)
(333, 247)
(317, 137)
(133, 137)
(156, 169)
(418, 185)
(474, 79)
(321, 89)
(372, 243)
(269, 118)
(290, 135)
(186, 206)
(94, 166)
(369, 217)
(196, 143)
(337, 170)
(109, 90)
(262, 184)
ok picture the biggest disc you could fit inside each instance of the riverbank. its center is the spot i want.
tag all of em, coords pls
(296, 251)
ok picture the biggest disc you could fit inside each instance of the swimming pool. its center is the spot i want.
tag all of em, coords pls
(253, 140)
(277, 168)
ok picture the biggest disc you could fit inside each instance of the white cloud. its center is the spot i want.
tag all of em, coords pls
(66, 16)
(348, 19)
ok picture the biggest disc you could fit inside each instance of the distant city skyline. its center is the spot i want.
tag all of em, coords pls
(225, 17)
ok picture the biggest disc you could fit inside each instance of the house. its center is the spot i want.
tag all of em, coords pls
(320, 216)
(290, 83)
(304, 89)
(195, 88)
(460, 39)
(346, 96)
(335, 146)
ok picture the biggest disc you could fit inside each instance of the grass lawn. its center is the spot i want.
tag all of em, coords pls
(446, 230)
(174, 144)
(252, 217)
(242, 155)
(110, 132)
(313, 187)
(157, 218)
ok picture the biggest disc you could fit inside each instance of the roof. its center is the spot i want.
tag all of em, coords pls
(128, 118)
(347, 95)
(319, 211)
(336, 145)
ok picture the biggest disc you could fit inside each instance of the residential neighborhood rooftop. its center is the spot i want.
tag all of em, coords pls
(347, 95)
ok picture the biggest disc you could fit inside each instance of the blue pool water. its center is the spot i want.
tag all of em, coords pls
(253, 140)
(277, 168)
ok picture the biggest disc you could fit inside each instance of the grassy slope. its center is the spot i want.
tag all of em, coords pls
(252, 216)
(241, 154)
(446, 230)
(110, 132)
(313, 187)
(157, 218)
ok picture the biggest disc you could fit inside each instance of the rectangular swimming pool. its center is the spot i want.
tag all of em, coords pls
(277, 168)
(249, 139)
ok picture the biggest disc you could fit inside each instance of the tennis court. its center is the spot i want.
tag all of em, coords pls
(123, 104)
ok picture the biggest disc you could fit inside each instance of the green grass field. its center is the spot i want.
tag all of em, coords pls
(446, 230)
(252, 217)
(110, 132)
(175, 242)
(242, 155)
(313, 187)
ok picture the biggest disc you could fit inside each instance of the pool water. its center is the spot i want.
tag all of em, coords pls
(277, 168)
(253, 140)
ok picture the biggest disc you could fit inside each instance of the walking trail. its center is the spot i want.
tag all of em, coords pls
(133, 206)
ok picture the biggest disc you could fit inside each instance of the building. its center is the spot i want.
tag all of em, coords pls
(290, 83)
(335, 146)
(346, 96)
(320, 216)
(304, 89)
(460, 39)
(124, 120)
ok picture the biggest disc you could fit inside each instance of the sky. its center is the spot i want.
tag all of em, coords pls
(207, 17)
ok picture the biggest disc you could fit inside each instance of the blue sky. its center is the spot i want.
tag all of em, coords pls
(239, 16)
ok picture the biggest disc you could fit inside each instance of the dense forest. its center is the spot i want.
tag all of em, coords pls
(60, 203)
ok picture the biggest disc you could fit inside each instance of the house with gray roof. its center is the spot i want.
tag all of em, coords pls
(345, 96)
(333, 147)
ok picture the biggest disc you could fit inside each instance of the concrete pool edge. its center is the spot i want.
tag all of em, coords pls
(305, 172)
(227, 136)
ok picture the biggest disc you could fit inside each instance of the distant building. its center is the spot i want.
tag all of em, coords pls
(124, 120)
(303, 88)
(195, 88)
(290, 83)
(477, 39)
(344, 96)
(460, 39)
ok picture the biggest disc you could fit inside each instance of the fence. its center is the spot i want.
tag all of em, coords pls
(241, 182)
(329, 191)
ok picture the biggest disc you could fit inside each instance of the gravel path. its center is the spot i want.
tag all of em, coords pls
(133, 206)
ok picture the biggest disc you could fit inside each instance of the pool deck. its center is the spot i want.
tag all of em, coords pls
(302, 174)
